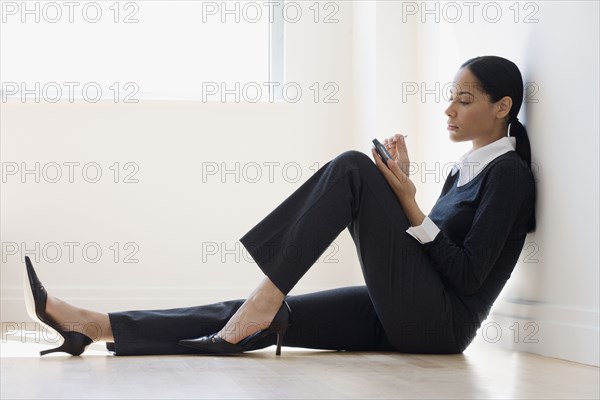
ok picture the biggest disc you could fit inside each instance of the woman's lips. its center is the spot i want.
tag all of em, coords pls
(452, 127)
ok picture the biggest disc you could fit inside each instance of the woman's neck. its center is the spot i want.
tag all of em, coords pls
(482, 141)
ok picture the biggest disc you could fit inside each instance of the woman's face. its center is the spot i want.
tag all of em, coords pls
(471, 115)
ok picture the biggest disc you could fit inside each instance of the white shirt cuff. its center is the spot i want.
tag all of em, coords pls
(425, 232)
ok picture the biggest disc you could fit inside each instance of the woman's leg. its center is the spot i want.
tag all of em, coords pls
(338, 319)
(407, 293)
(90, 323)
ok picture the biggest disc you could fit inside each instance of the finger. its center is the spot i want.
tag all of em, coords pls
(393, 141)
(398, 173)
(399, 141)
(401, 145)
(389, 143)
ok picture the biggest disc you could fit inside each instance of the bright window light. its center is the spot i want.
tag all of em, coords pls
(142, 49)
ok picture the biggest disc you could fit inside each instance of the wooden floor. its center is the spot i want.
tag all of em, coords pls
(483, 371)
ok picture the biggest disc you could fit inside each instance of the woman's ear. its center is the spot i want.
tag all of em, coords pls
(503, 107)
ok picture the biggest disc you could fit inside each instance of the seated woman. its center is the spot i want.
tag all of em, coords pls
(430, 281)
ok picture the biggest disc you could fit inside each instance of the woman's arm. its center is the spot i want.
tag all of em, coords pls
(497, 232)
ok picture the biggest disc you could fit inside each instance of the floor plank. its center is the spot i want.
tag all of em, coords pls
(483, 371)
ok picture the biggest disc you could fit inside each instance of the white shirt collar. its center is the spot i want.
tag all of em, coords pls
(474, 161)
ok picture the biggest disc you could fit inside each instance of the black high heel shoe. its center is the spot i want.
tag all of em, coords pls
(35, 300)
(214, 344)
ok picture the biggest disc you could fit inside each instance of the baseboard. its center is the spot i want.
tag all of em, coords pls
(568, 333)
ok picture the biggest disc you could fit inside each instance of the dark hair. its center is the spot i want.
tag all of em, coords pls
(499, 77)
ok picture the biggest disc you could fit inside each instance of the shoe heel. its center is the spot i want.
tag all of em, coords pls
(55, 350)
(280, 336)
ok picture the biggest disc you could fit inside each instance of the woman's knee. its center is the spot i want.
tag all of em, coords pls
(353, 155)
(355, 159)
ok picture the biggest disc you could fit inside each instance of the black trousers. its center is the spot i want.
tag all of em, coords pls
(403, 307)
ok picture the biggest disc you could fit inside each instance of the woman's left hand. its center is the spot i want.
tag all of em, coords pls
(400, 183)
(403, 187)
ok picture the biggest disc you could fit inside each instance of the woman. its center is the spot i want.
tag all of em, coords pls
(430, 280)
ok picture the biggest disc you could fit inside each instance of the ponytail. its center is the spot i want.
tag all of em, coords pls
(518, 131)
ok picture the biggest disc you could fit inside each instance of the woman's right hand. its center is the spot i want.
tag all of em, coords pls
(396, 146)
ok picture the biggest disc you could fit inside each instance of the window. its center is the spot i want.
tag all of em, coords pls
(138, 49)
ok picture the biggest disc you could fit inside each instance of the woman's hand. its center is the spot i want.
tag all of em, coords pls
(402, 186)
(398, 180)
(396, 146)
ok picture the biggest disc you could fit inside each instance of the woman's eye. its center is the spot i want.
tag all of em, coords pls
(454, 100)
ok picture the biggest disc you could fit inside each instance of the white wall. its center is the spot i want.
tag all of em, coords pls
(373, 56)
